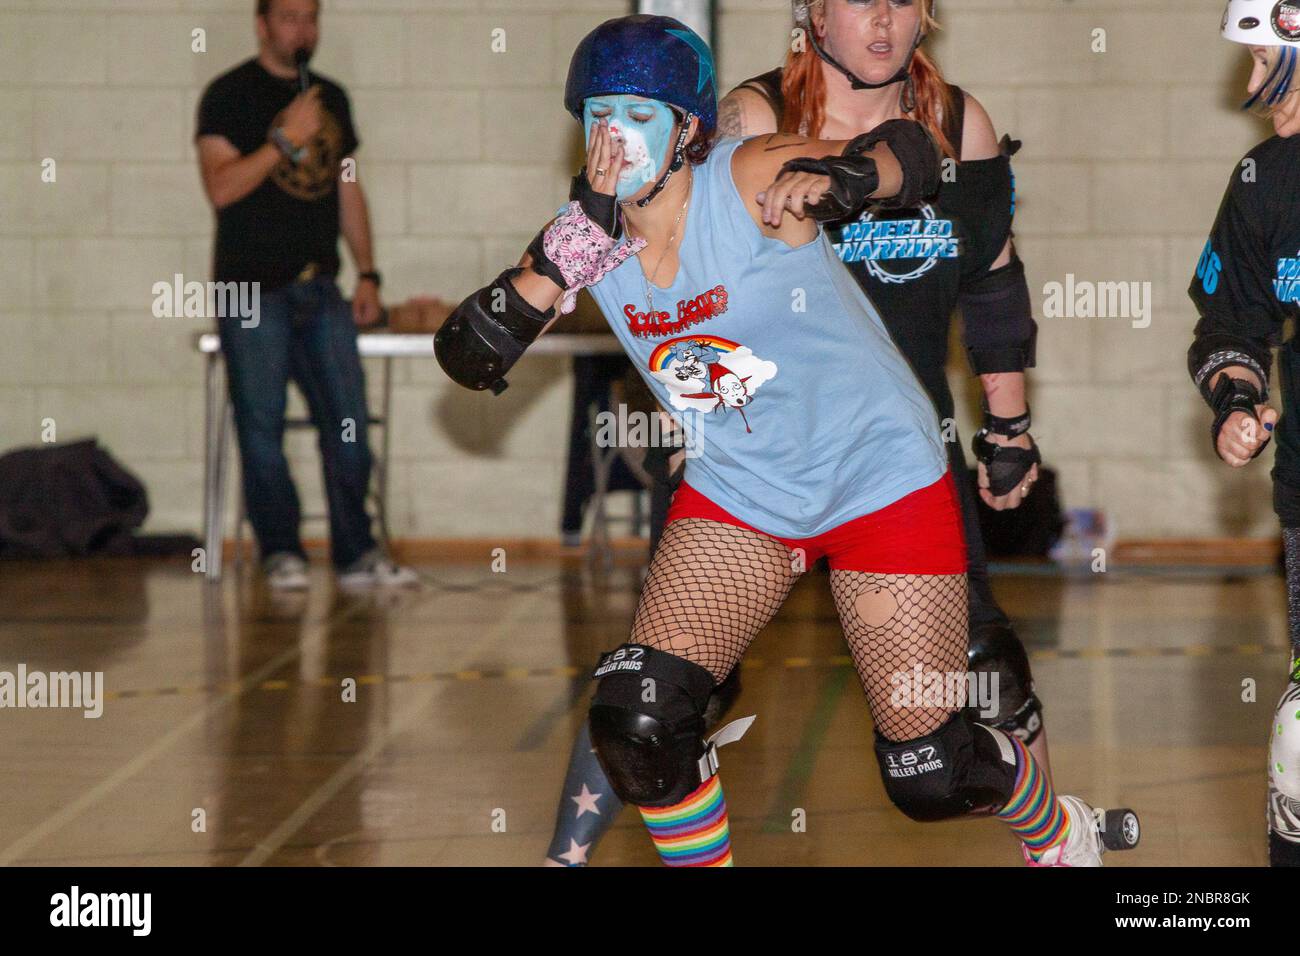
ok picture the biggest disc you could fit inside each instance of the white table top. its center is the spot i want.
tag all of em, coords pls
(393, 345)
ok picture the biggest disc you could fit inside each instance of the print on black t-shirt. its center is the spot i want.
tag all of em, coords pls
(292, 218)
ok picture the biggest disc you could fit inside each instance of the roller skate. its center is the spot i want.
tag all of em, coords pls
(1092, 833)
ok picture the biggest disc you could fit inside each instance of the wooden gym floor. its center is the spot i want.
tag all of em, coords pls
(227, 701)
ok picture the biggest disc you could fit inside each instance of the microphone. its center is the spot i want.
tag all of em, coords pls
(300, 57)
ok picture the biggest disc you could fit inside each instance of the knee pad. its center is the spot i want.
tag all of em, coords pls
(961, 768)
(647, 724)
(1284, 769)
(722, 699)
(995, 649)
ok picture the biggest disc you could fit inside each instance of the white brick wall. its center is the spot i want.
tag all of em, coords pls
(465, 150)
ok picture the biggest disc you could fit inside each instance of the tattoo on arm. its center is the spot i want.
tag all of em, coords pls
(731, 120)
(796, 144)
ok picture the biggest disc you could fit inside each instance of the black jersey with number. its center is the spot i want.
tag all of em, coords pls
(914, 264)
(1247, 279)
(292, 218)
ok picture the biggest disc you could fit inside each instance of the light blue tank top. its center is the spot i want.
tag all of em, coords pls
(800, 412)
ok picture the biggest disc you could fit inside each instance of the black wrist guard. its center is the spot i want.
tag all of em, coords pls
(1006, 427)
(854, 176)
(487, 333)
(853, 180)
(542, 264)
(1232, 395)
(601, 209)
(1212, 352)
(1006, 466)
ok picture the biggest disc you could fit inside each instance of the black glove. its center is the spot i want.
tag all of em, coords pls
(1232, 395)
(601, 209)
(1007, 465)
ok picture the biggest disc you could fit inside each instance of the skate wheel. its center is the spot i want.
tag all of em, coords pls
(1120, 829)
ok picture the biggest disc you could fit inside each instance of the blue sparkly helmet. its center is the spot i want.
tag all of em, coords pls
(656, 57)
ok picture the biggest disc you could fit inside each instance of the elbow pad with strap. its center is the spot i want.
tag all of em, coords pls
(998, 323)
(487, 333)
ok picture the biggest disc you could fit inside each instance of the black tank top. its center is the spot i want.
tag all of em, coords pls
(914, 263)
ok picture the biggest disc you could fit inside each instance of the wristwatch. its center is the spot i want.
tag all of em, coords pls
(373, 275)
(295, 154)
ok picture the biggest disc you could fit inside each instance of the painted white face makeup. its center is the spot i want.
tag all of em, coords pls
(644, 127)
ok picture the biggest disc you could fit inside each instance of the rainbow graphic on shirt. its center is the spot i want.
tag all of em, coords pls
(706, 372)
(666, 352)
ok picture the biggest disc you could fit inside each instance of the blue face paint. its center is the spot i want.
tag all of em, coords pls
(645, 128)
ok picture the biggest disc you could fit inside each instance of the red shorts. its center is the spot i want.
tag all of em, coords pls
(920, 533)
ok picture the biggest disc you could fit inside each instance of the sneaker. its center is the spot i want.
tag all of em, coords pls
(1083, 845)
(374, 570)
(285, 571)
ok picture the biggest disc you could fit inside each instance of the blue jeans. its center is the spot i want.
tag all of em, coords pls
(304, 331)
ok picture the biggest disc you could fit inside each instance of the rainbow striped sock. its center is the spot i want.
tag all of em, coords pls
(694, 832)
(1033, 812)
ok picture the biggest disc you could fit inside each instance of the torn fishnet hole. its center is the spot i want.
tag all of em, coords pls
(893, 623)
(711, 589)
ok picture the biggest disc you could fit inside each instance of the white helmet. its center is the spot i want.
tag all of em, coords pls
(1271, 23)
(1263, 22)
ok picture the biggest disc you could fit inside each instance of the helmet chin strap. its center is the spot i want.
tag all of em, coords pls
(855, 81)
(678, 160)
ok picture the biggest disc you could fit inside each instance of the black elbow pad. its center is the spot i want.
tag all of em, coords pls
(999, 328)
(487, 333)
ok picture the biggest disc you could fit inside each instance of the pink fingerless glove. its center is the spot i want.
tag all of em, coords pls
(583, 252)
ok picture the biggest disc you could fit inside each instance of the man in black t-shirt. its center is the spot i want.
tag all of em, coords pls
(277, 168)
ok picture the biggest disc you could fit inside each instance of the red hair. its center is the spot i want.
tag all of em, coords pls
(803, 89)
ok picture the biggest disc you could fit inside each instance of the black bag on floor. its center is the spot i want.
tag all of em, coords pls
(1027, 531)
(68, 500)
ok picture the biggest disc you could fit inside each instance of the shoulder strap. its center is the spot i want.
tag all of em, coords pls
(768, 85)
(954, 121)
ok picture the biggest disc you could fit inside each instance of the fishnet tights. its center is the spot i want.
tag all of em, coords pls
(895, 623)
(712, 587)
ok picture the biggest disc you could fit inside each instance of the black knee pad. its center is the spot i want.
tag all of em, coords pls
(722, 699)
(995, 649)
(961, 768)
(647, 724)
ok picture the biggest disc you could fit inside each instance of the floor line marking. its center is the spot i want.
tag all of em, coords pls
(269, 845)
